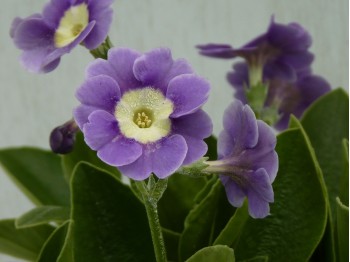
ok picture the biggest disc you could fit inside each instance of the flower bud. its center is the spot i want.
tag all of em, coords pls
(62, 138)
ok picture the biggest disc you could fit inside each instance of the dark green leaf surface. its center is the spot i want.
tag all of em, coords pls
(23, 243)
(213, 254)
(52, 248)
(81, 152)
(343, 231)
(344, 179)
(38, 174)
(212, 148)
(298, 215)
(171, 241)
(43, 215)
(110, 223)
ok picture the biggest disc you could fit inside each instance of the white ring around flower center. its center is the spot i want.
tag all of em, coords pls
(73, 22)
(143, 115)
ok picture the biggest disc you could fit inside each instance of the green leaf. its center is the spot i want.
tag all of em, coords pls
(22, 243)
(53, 246)
(212, 148)
(38, 174)
(230, 234)
(67, 251)
(213, 254)
(199, 223)
(343, 231)
(326, 123)
(81, 152)
(110, 223)
(344, 179)
(43, 215)
(257, 259)
(298, 215)
(171, 241)
(181, 190)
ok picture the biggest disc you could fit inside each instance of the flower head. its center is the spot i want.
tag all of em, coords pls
(290, 96)
(142, 112)
(247, 162)
(281, 47)
(63, 24)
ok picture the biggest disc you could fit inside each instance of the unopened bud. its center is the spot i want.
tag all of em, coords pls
(62, 138)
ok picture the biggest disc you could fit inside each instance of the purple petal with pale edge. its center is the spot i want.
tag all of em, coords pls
(100, 91)
(120, 152)
(235, 194)
(118, 66)
(162, 158)
(260, 193)
(81, 114)
(194, 128)
(53, 12)
(226, 144)
(100, 12)
(188, 93)
(32, 33)
(240, 123)
(32, 60)
(14, 25)
(100, 129)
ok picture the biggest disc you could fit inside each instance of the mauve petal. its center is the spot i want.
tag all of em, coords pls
(283, 122)
(118, 66)
(312, 87)
(101, 129)
(103, 15)
(226, 144)
(260, 193)
(14, 25)
(162, 158)
(269, 162)
(196, 149)
(297, 61)
(291, 37)
(217, 50)
(120, 152)
(34, 60)
(235, 194)
(100, 91)
(281, 70)
(32, 33)
(81, 114)
(53, 11)
(188, 93)
(240, 123)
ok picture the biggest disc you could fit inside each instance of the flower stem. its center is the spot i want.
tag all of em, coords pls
(153, 220)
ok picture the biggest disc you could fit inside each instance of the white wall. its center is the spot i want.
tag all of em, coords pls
(32, 105)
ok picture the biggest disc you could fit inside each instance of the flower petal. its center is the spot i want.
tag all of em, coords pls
(217, 50)
(188, 93)
(162, 158)
(101, 129)
(100, 91)
(81, 114)
(54, 11)
(235, 194)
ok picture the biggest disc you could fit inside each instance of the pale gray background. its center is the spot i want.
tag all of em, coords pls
(32, 105)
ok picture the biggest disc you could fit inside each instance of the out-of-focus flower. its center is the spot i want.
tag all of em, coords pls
(62, 138)
(288, 96)
(283, 48)
(63, 24)
(142, 112)
(248, 162)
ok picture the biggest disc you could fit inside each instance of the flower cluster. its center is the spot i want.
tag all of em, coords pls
(63, 24)
(281, 59)
(142, 113)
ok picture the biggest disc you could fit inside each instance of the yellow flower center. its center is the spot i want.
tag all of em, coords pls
(73, 22)
(143, 115)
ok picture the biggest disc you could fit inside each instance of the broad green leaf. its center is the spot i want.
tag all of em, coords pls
(67, 251)
(212, 148)
(299, 212)
(257, 259)
(23, 243)
(43, 215)
(213, 254)
(53, 246)
(181, 190)
(81, 152)
(38, 174)
(344, 179)
(199, 223)
(343, 231)
(110, 223)
(326, 123)
(230, 234)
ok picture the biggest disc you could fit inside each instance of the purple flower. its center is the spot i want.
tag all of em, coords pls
(63, 24)
(290, 96)
(62, 138)
(142, 112)
(247, 162)
(282, 47)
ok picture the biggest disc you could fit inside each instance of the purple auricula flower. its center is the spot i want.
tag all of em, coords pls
(63, 24)
(142, 112)
(281, 47)
(287, 95)
(248, 162)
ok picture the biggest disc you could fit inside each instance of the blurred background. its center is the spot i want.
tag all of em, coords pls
(32, 105)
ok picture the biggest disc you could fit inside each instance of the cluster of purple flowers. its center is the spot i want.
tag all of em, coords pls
(280, 58)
